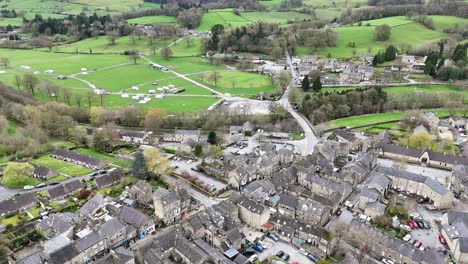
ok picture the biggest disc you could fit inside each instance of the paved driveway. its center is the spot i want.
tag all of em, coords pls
(184, 166)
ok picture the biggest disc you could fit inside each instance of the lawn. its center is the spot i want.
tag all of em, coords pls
(223, 17)
(57, 178)
(58, 62)
(270, 3)
(62, 166)
(188, 65)
(362, 36)
(147, 20)
(35, 211)
(14, 184)
(103, 156)
(12, 220)
(181, 49)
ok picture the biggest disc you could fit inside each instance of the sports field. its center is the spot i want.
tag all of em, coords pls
(66, 168)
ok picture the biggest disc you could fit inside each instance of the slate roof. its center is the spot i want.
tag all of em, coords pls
(132, 133)
(133, 217)
(120, 255)
(300, 226)
(187, 132)
(346, 135)
(186, 248)
(79, 157)
(379, 180)
(16, 202)
(35, 258)
(65, 254)
(110, 227)
(43, 171)
(464, 244)
(88, 241)
(167, 197)
(288, 200)
(60, 222)
(251, 205)
(377, 205)
(371, 193)
(65, 189)
(108, 179)
(91, 206)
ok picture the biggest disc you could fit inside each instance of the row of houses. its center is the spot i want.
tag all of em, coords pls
(79, 159)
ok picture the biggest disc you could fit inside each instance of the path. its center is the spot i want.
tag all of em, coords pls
(309, 134)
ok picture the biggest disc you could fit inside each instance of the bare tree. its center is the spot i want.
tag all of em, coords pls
(90, 97)
(134, 55)
(112, 36)
(78, 100)
(166, 52)
(29, 82)
(188, 41)
(214, 77)
(66, 95)
(5, 61)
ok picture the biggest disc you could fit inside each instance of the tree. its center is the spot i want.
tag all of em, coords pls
(84, 193)
(382, 32)
(188, 41)
(317, 84)
(154, 119)
(29, 82)
(323, 261)
(5, 61)
(305, 85)
(134, 55)
(212, 138)
(139, 169)
(283, 79)
(112, 36)
(132, 116)
(214, 77)
(198, 150)
(3, 124)
(166, 52)
(383, 221)
(390, 53)
(294, 96)
(420, 140)
(156, 163)
(17, 172)
(78, 135)
(276, 53)
(102, 141)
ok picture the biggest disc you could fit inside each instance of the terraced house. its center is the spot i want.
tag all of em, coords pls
(79, 159)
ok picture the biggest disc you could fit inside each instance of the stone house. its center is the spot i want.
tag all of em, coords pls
(183, 134)
(79, 159)
(57, 224)
(17, 203)
(457, 122)
(142, 192)
(455, 231)
(252, 213)
(134, 136)
(64, 189)
(170, 206)
(459, 180)
(43, 173)
(109, 179)
(143, 224)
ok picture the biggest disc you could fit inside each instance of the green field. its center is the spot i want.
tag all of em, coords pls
(173, 104)
(240, 83)
(275, 17)
(181, 49)
(443, 22)
(405, 89)
(189, 65)
(58, 62)
(62, 166)
(130, 75)
(151, 20)
(403, 31)
(363, 120)
(103, 156)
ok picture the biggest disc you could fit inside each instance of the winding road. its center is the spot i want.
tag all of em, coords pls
(310, 139)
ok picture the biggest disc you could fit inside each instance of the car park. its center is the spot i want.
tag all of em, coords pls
(407, 238)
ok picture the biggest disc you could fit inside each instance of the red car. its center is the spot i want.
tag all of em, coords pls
(418, 244)
(413, 224)
(442, 240)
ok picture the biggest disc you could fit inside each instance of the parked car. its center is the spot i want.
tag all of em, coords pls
(285, 257)
(28, 187)
(273, 237)
(407, 238)
(418, 244)
(426, 225)
(194, 168)
(54, 183)
(258, 247)
(313, 257)
(422, 248)
(420, 225)
(415, 216)
(387, 261)
(40, 185)
(442, 240)
(280, 254)
(253, 258)
(103, 172)
(405, 227)
(303, 252)
(94, 174)
(423, 200)
(338, 212)
(264, 245)
(456, 195)
(413, 224)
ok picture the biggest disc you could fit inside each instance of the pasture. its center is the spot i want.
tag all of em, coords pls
(179, 104)
(147, 20)
(443, 22)
(66, 168)
(403, 31)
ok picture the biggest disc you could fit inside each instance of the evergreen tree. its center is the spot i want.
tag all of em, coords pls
(139, 169)
(317, 84)
(198, 150)
(459, 54)
(305, 83)
(212, 138)
(390, 53)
